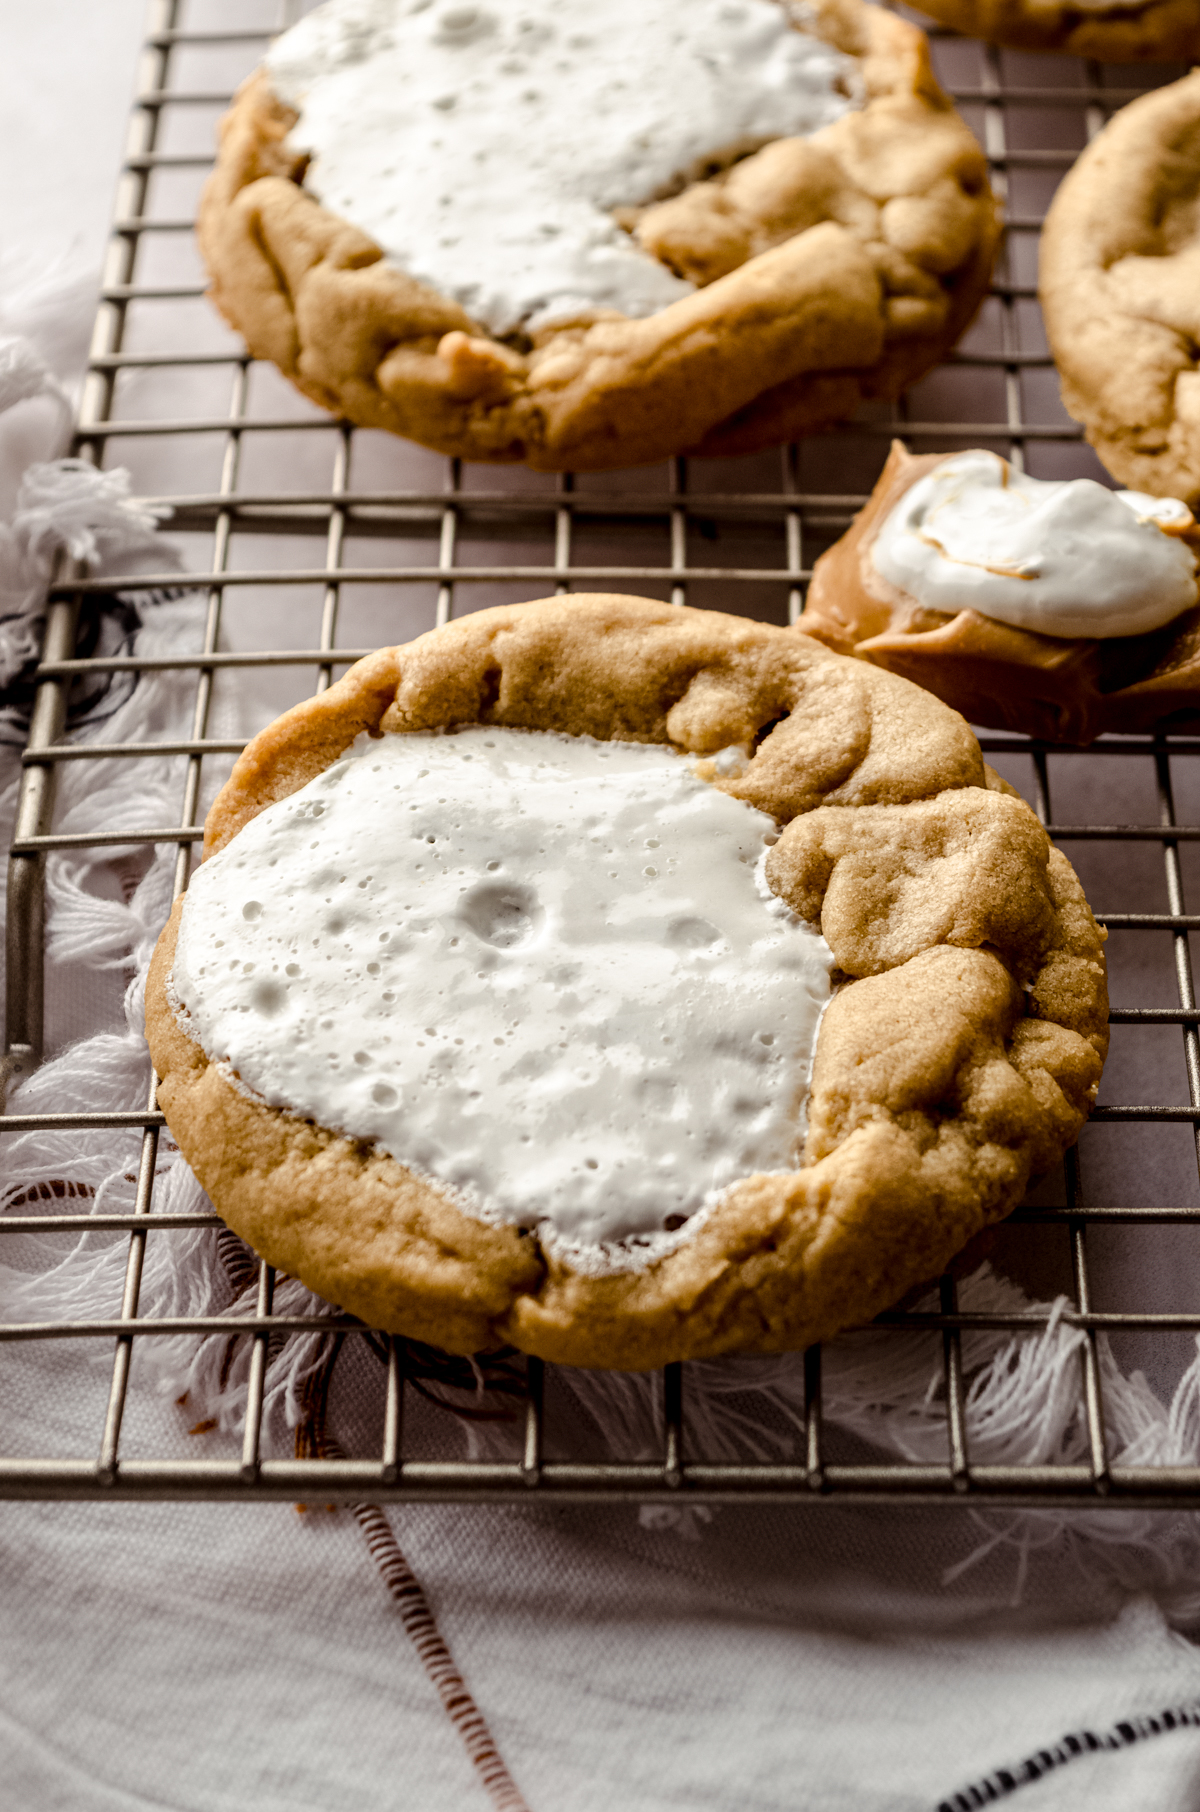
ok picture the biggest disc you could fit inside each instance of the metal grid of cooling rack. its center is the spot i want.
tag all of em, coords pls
(290, 573)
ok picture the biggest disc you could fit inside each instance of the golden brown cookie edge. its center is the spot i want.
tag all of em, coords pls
(1161, 31)
(1119, 366)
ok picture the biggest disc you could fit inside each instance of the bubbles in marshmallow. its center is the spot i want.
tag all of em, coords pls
(485, 149)
(476, 967)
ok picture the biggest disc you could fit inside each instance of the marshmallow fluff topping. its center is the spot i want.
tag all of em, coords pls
(543, 971)
(1065, 559)
(484, 146)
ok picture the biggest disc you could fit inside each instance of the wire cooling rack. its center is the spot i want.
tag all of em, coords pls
(310, 542)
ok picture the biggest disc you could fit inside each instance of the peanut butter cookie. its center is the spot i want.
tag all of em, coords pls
(780, 284)
(959, 1055)
(1065, 688)
(1120, 289)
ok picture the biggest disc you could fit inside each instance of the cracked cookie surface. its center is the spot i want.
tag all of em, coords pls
(1120, 291)
(832, 268)
(960, 1054)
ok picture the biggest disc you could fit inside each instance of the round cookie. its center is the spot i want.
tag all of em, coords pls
(1120, 291)
(828, 268)
(960, 1054)
(1062, 688)
(1112, 31)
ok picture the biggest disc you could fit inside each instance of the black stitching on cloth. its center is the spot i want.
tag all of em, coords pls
(1003, 1781)
(108, 623)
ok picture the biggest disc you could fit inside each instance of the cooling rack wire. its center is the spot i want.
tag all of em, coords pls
(310, 542)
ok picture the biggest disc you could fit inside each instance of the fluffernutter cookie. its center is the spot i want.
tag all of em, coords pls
(625, 982)
(518, 233)
(1061, 609)
(1120, 291)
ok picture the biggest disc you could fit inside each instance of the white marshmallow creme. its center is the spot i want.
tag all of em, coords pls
(484, 146)
(1062, 558)
(543, 971)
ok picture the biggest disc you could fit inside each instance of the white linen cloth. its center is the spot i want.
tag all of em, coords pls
(203, 1657)
(208, 1657)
